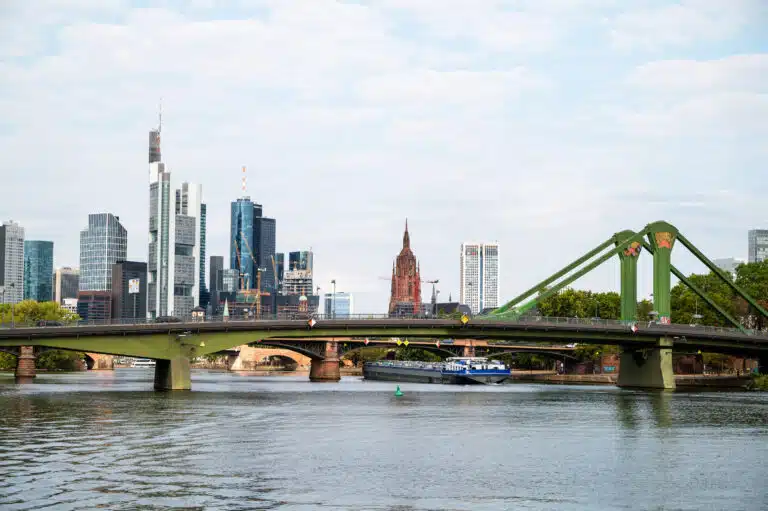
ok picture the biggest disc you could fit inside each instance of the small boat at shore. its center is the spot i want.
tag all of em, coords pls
(143, 362)
(455, 370)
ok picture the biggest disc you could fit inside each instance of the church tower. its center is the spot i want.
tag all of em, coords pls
(405, 298)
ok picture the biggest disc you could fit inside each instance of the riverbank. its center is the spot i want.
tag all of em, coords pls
(681, 380)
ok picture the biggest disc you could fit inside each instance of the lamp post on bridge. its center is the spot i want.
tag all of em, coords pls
(333, 300)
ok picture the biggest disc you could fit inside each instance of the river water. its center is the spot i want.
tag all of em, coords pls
(106, 440)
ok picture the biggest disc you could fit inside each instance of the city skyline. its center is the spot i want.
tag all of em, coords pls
(342, 147)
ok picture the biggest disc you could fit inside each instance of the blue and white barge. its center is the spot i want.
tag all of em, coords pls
(455, 370)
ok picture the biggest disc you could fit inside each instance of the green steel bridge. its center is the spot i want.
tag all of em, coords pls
(646, 347)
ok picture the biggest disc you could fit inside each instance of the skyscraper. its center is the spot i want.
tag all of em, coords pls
(757, 247)
(66, 283)
(38, 270)
(252, 244)
(301, 260)
(176, 238)
(102, 244)
(215, 284)
(297, 279)
(204, 292)
(12, 262)
(405, 297)
(479, 279)
(280, 267)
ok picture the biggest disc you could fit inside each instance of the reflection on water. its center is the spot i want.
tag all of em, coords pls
(104, 439)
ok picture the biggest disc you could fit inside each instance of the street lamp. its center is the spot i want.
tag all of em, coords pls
(333, 300)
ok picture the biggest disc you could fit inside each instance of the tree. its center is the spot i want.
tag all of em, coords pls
(753, 279)
(30, 312)
(686, 304)
(571, 303)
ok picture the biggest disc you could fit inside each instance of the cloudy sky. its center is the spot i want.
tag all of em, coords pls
(546, 125)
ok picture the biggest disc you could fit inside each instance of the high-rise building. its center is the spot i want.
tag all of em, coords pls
(205, 295)
(252, 245)
(38, 270)
(405, 297)
(102, 244)
(479, 279)
(11, 262)
(215, 284)
(129, 290)
(297, 279)
(280, 266)
(728, 264)
(176, 238)
(757, 245)
(266, 233)
(66, 283)
(342, 303)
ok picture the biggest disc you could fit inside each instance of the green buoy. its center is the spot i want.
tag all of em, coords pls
(398, 393)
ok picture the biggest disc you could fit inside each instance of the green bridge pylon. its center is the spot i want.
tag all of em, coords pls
(639, 368)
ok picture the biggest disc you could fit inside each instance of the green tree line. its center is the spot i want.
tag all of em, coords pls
(29, 312)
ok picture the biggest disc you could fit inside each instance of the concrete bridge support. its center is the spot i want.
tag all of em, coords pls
(469, 351)
(25, 364)
(173, 374)
(648, 368)
(99, 362)
(327, 368)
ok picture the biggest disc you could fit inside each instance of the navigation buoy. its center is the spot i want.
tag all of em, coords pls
(398, 392)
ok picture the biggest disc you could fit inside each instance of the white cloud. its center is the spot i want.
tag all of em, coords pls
(682, 24)
(734, 73)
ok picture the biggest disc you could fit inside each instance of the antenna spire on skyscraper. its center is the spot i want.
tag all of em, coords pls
(245, 181)
(160, 116)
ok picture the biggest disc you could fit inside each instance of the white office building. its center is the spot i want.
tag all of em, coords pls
(479, 279)
(339, 305)
(757, 245)
(11, 262)
(176, 240)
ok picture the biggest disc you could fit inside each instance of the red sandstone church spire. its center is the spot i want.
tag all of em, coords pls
(405, 295)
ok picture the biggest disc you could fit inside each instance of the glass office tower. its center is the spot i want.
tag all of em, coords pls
(38, 270)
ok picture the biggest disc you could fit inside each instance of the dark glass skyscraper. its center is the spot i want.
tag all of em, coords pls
(266, 233)
(215, 284)
(38, 270)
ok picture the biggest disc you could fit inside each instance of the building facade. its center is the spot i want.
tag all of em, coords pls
(214, 284)
(11, 262)
(66, 283)
(405, 294)
(280, 267)
(38, 270)
(176, 240)
(252, 245)
(479, 277)
(728, 264)
(94, 306)
(757, 245)
(129, 290)
(205, 295)
(339, 305)
(102, 244)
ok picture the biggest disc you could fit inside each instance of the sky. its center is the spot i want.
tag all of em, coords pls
(545, 125)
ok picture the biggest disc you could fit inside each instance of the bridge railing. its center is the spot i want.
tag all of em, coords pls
(522, 320)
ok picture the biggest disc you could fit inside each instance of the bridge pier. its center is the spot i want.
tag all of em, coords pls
(25, 364)
(469, 351)
(173, 374)
(647, 368)
(326, 368)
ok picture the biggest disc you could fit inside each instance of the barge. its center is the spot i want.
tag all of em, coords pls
(455, 370)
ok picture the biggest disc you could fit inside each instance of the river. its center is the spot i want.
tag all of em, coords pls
(237, 441)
